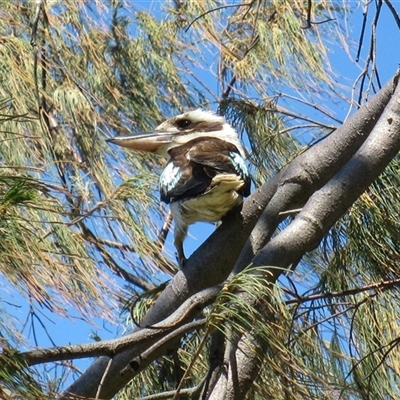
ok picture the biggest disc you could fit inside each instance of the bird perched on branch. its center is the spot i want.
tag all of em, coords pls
(206, 174)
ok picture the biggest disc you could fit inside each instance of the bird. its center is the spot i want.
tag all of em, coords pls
(205, 176)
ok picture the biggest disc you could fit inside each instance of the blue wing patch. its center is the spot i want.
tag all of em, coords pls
(239, 164)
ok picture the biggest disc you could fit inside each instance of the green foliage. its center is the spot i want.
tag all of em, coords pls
(15, 376)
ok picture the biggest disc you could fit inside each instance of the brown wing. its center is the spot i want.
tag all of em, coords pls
(193, 165)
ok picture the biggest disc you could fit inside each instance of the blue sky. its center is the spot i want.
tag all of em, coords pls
(73, 330)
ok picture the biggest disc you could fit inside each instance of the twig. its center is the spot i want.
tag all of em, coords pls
(110, 262)
(393, 11)
(392, 344)
(305, 126)
(110, 243)
(289, 212)
(312, 105)
(371, 54)
(190, 393)
(140, 362)
(103, 378)
(217, 9)
(350, 292)
(253, 44)
(192, 361)
(284, 111)
(362, 33)
(202, 298)
(308, 23)
(88, 213)
(162, 236)
(39, 8)
(216, 358)
(254, 41)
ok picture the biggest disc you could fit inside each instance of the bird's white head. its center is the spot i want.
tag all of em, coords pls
(179, 130)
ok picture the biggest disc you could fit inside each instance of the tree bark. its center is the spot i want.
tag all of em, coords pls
(305, 233)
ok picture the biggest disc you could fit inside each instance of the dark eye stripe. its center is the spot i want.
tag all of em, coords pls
(183, 123)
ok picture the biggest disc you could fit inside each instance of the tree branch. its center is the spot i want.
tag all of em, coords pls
(312, 169)
(144, 359)
(298, 299)
(328, 204)
(139, 338)
(322, 210)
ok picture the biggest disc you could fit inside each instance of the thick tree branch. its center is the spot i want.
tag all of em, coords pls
(209, 265)
(328, 204)
(319, 214)
(312, 169)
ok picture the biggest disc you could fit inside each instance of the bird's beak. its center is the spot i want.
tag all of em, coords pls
(147, 141)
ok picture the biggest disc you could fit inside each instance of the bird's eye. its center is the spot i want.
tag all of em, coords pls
(183, 123)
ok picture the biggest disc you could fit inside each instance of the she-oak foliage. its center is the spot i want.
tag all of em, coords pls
(80, 220)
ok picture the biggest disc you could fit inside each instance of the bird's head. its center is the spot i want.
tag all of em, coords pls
(179, 130)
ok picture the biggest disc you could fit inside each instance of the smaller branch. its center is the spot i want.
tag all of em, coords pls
(192, 361)
(103, 378)
(373, 47)
(143, 360)
(362, 33)
(197, 301)
(320, 307)
(193, 76)
(309, 23)
(290, 212)
(254, 41)
(392, 344)
(34, 315)
(294, 127)
(375, 286)
(312, 105)
(190, 393)
(216, 9)
(162, 236)
(229, 87)
(393, 11)
(333, 316)
(323, 22)
(39, 9)
(110, 262)
(284, 111)
(371, 59)
(216, 363)
(352, 338)
(110, 243)
(114, 346)
(88, 213)
(253, 44)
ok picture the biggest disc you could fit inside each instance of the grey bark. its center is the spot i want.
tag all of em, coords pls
(322, 210)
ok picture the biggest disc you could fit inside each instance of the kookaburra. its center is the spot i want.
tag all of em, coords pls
(206, 174)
